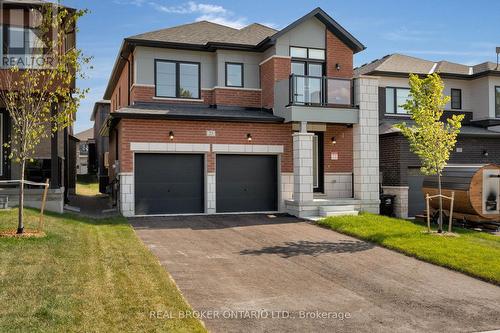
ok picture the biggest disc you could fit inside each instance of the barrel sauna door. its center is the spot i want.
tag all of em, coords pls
(491, 191)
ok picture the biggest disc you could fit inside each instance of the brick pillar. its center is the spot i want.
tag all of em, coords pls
(366, 145)
(303, 166)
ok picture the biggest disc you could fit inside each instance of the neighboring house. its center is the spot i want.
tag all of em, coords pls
(474, 91)
(86, 144)
(210, 119)
(99, 116)
(53, 157)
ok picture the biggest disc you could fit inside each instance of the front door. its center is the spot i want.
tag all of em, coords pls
(318, 163)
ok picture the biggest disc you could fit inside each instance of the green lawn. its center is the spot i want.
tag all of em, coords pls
(87, 185)
(473, 253)
(85, 276)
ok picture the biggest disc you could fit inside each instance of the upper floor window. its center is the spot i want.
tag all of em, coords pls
(84, 149)
(177, 79)
(395, 98)
(497, 101)
(456, 99)
(234, 74)
(307, 53)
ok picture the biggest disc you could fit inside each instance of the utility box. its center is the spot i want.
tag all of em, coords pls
(4, 202)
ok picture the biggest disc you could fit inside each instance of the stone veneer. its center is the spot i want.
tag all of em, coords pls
(366, 145)
(303, 167)
(338, 185)
(401, 201)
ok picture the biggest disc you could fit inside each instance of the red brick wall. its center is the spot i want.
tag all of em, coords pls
(119, 97)
(236, 97)
(338, 53)
(275, 69)
(218, 96)
(343, 147)
(132, 130)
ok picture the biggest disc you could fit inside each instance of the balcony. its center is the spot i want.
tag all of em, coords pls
(320, 91)
(316, 99)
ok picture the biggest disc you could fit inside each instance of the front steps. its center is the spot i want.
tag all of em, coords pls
(320, 208)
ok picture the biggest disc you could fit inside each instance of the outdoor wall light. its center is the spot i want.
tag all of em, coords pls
(485, 153)
(334, 140)
(171, 135)
(249, 137)
(337, 66)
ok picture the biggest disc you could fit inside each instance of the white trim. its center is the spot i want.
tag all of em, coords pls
(161, 147)
(197, 100)
(248, 148)
(274, 56)
(231, 88)
(142, 85)
(433, 68)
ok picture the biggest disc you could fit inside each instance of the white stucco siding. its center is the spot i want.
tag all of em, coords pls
(144, 58)
(480, 98)
(493, 82)
(310, 33)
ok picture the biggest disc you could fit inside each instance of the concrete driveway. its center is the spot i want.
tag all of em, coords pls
(291, 269)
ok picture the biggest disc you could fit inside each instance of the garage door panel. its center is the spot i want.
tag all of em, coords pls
(246, 183)
(416, 197)
(169, 184)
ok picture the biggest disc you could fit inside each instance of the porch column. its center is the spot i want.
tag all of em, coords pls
(303, 165)
(366, 145)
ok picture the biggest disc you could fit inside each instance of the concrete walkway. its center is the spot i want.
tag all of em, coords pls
(253, 262)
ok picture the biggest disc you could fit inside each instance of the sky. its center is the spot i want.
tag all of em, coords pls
(459, 31)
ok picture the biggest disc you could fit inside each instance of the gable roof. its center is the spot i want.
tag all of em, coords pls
(395, 64)
(209, 36)
(85, 135)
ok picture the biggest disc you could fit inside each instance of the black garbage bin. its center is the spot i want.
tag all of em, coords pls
(387, 204)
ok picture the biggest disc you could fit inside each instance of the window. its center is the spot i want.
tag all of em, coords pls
(84, 149)
(298, 52)
(456, 99)
(234, 74)
(395, 98)
(497, 102)
(307, 53)
(177, 79)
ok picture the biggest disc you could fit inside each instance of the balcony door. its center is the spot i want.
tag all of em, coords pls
(308, 81)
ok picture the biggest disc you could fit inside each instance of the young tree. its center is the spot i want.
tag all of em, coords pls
(38, 89)
(431, 139)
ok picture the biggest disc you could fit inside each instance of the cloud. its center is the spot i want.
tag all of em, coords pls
(203, 11)
(405, 34)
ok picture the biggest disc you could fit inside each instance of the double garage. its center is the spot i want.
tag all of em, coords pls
(176, 183)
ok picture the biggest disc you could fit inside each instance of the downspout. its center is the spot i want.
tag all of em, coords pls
(128, 77)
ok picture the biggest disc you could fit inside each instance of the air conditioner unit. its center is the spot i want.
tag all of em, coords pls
(106, 159)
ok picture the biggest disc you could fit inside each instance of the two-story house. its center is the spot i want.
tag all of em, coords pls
(210, 119)
(474, 91)
(54, 157)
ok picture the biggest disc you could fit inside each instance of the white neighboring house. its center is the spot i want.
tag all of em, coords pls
(82, 151)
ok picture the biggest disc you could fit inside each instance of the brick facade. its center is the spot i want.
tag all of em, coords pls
(132, 130)
(120, 95)
(343, 147)
(396, 157)
(338, 53)
(272, 70)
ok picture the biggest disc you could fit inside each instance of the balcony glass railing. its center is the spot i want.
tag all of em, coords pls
(321, 91)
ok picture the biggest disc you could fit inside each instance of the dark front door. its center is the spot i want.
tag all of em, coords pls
(416, 199)
(247, 183)
(318, 163)
(169, 184)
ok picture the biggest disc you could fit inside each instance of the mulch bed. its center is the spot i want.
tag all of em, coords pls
(26, 234)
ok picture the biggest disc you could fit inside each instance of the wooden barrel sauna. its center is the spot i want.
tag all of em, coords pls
(477, 191)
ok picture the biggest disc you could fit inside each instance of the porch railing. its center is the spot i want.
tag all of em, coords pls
(320, 91)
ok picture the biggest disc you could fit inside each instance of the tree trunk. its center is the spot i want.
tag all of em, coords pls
(440, 219)
(20, 226)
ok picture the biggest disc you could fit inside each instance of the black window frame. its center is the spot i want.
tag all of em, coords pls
(453, 106)
(242, 74)
(395, 110)
(497, 101)
(177, 78)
